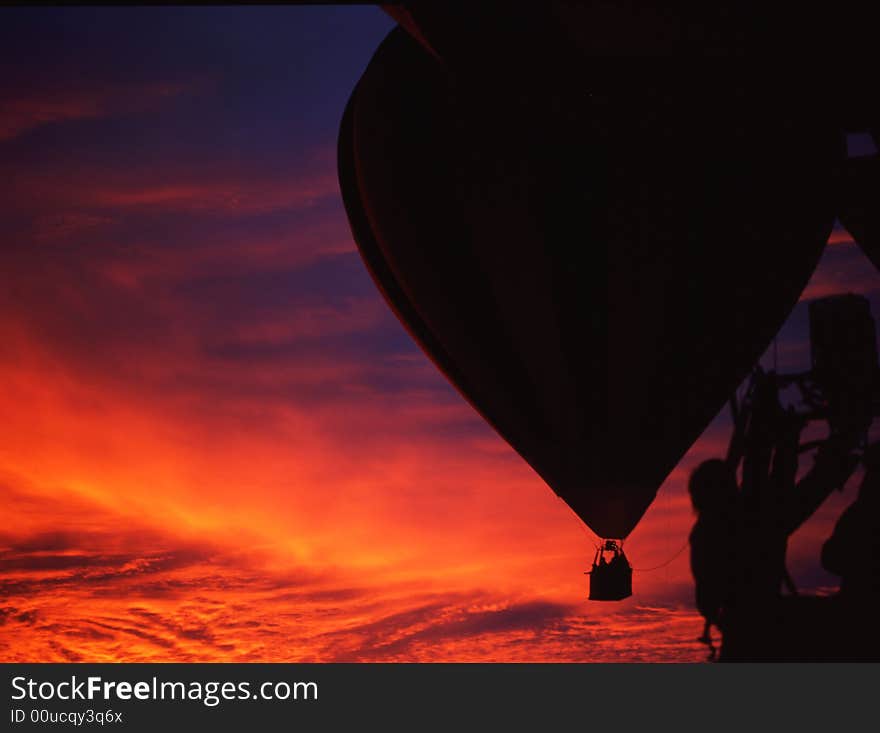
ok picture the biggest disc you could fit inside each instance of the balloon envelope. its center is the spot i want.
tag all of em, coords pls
(594, 255)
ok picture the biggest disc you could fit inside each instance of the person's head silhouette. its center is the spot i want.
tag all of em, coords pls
(712, 486)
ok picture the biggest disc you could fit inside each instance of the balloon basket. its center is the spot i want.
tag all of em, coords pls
(611, 574)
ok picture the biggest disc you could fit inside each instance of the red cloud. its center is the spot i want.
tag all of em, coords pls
(24, 112)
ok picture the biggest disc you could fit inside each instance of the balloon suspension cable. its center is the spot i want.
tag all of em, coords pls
(664, 564)
(595, 540)
(668, 506)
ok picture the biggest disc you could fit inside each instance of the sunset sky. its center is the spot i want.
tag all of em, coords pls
(218, 443)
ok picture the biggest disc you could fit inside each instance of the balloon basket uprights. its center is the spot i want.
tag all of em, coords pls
(611, 573)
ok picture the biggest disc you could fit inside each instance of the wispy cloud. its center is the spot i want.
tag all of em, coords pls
(844, 268)
(23, 113)
(71, 596)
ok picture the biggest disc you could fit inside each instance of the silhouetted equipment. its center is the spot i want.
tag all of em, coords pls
(610, 579)
(843, 385)
(841, 389)
(844, 358)
(591, 236)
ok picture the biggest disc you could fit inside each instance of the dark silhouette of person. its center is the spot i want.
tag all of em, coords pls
(768, 474)
(773, 504)
(618, 571)
(739, 541)
(611, 578)
(853, 550)
(714, 540)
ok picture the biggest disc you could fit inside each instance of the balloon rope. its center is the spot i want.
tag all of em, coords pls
(663, 565)
(594, 539)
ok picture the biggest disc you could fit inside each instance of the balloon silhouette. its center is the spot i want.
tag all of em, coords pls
(594, 252)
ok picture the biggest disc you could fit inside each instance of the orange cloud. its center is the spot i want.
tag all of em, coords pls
(97, 592)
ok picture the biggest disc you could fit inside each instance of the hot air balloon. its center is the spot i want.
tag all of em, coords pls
(594, 249)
